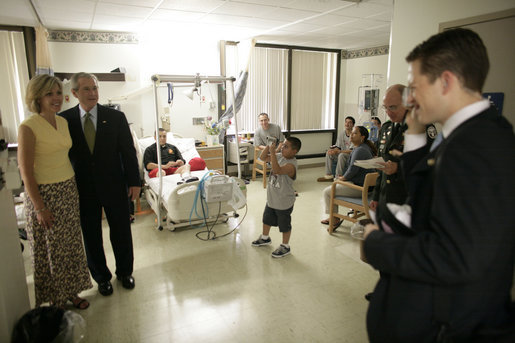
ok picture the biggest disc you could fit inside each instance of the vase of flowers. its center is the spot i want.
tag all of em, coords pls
(213, 130)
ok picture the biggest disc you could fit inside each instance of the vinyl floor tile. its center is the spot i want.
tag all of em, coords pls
(225, 290)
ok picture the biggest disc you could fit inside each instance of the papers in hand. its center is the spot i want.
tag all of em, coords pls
(370, 164)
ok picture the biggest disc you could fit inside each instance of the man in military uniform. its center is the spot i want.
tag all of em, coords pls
(390, 187)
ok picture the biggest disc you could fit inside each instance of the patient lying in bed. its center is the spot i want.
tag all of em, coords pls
(172, 161)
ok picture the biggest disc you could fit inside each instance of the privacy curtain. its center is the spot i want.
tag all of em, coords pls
(15, 77)
(43, 63)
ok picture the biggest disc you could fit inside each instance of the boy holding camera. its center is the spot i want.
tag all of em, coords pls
(280, 193)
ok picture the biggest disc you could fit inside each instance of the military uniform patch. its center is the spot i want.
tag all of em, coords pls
(431, 131)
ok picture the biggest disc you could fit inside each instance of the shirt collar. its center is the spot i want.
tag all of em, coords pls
(463, 115)
(93, 112)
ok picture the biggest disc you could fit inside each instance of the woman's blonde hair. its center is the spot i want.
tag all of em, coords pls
(39, 86)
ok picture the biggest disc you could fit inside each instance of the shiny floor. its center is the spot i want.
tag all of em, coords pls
(225, 290)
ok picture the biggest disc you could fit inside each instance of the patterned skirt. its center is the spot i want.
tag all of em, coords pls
(58, 256)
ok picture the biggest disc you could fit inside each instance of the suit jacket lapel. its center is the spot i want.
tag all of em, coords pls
(77, 127)
(101, 121)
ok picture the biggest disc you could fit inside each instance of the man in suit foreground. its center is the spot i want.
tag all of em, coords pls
(449, 279)
(106, 168)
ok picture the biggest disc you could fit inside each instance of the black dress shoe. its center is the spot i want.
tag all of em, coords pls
(105, 288)
(368, 296)
(127, 281)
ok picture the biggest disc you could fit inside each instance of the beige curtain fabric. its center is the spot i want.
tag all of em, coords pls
(313, 90)
(267, 88)
(14, 80)
(43, 63)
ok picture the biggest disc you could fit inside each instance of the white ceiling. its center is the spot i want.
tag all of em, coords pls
(334, 24)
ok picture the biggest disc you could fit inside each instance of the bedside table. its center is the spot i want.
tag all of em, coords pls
(214, 157)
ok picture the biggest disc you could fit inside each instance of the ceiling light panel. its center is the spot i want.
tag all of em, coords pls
(192, 5)
(243, 9)
(164, 14)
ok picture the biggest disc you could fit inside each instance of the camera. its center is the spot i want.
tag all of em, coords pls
(270, 140)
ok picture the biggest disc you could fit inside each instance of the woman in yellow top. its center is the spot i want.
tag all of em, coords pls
(52, 204)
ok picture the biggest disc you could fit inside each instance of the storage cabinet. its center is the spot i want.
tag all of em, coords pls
(246, 151)
(214, 157)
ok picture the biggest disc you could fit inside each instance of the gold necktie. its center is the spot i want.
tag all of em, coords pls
(89, 132)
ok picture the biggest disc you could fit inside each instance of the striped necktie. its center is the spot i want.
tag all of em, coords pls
(89, 132)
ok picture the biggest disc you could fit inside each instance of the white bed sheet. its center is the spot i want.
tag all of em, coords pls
(170, 184)
(178, 200)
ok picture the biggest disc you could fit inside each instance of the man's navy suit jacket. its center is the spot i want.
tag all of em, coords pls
(458, 266)
(113, 166)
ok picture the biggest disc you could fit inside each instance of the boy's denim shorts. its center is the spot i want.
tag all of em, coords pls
(281, 218)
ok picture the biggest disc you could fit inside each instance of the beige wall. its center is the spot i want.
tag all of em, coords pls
(416, 20)
(141, 61)
(352, 77)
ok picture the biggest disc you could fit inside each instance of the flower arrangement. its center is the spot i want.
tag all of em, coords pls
(214, 128)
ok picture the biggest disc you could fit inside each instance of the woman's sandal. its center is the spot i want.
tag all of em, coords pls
(325, 221)
(79, 303)
(336, 225)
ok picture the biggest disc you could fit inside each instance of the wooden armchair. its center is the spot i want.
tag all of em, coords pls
(359, 205)
(257, 162)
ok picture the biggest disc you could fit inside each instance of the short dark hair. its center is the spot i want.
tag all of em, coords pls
(376, 118)
(295, 143)
(263, 114)
(159, 130)
(460, 51)
(352, 119)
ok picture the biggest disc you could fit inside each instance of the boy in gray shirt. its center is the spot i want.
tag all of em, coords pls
(280, 195)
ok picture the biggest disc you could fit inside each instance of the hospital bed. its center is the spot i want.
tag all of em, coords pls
(181, 204)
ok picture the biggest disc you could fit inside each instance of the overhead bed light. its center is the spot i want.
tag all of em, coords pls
(189, 92)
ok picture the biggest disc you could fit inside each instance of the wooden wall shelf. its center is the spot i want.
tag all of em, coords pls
(100, 76)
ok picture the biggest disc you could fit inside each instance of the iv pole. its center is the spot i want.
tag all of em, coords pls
(196, 79)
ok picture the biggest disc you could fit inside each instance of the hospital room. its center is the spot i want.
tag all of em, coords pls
(218, 84)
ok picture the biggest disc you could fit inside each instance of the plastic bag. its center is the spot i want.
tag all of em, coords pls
(238, 198)
(49, 324)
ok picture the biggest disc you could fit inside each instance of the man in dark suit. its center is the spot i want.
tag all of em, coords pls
(450, 279)
(106, 168)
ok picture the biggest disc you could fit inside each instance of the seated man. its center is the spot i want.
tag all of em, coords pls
(339, 153)
(265, 130)
(171, 158)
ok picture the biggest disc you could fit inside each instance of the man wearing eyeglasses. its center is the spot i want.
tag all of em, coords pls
(390, 187)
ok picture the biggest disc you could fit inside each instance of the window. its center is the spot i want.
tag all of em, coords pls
(313, 90)
(313, 87)
(266, 89)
